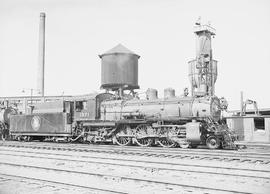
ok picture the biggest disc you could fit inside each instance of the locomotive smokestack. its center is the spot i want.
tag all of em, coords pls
(41, 54)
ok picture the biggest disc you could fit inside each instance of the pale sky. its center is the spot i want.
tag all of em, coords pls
(160, 31)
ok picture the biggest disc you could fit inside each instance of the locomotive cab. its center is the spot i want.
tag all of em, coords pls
(84, 110)
(88, 108)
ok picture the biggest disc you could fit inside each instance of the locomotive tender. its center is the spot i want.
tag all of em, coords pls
(119, 116)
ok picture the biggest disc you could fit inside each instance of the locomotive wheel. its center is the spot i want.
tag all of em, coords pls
(144, 142)
(120, 140)
(4, 136)
(141, 131)
(28, 138)
(166, 143)
(167, 133)
(212, 142)
(18, 138)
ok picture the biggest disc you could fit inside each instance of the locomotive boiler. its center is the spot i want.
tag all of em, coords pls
(120, 116)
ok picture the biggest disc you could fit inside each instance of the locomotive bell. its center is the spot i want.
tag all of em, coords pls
(119, 69)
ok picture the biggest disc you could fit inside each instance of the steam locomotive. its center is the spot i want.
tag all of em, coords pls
(119, 116)
(168, 122)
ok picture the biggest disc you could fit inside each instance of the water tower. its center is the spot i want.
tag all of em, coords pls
(119, 70)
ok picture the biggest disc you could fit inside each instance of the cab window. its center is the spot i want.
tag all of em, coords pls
(259, 123)
(80, 105)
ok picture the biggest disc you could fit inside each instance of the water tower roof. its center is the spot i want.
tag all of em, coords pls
(119, 49)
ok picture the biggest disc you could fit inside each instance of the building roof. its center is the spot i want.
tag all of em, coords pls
(262, 111)
(247, 116)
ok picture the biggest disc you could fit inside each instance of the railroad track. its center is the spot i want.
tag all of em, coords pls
(38, 185)
(201, 154)
(68, 173)
(142, 163)
(137, 148)
(113, 179)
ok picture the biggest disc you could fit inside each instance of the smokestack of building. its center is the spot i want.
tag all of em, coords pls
(41, 54)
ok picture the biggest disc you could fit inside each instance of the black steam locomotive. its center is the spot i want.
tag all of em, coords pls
(183, 121)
